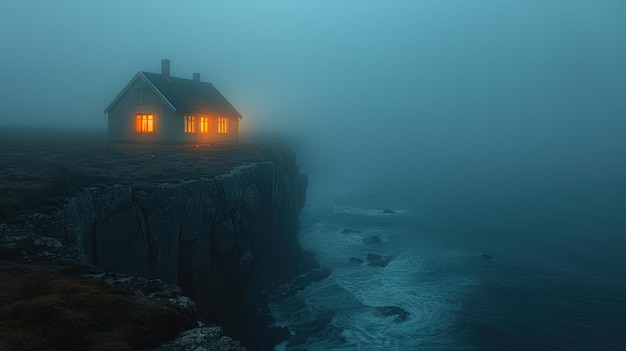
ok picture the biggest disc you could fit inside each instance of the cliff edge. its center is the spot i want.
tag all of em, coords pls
(220, 221)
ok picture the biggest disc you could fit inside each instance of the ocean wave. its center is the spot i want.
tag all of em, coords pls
(340, 312)
(366, 212)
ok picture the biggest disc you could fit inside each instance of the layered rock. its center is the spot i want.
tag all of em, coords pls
(220, 238)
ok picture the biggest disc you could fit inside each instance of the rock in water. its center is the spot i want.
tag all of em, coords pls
(399, 313)
(350, 231)
(486, 256)
(376, 260)
(375, 239)
(301, 282)
(356, 260)
(389, 211)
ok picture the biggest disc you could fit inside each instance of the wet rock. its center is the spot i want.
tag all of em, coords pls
(486, 256)
(23, 245)
(177, 226)
(375, 260)
(399, 313)
(374, 239)
(203, 338)
(154, 289)
(320, 274)
(350, 231)
(318, 327)
(356, 260)
(298, 284)
(389, 211)
(277, 335)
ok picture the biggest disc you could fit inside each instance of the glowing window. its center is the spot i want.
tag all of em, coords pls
(222, 125)
(144, 123)
(204, 124)
(190, 124)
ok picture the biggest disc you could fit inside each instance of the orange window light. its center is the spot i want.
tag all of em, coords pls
(204, 124)
(222, 125)
(144, 123)
(190, 124)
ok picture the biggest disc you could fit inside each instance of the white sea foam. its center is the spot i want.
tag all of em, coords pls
(367, 212)
(431, 305)
(437, 275)
(353, 290)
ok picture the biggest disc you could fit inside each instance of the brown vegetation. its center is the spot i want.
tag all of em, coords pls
(58, 308)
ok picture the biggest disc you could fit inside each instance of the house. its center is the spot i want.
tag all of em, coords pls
(157, 107)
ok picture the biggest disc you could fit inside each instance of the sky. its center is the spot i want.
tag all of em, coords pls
(516, 82)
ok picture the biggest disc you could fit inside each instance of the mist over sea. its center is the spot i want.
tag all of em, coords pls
(495, 130)
(551, 276)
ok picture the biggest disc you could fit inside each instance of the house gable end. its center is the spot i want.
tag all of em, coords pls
(154, 89)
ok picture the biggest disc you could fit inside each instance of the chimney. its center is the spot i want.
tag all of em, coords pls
(165, 67)
(196, 77)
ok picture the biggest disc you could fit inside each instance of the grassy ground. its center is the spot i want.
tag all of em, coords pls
(38, 167)
(58, 308)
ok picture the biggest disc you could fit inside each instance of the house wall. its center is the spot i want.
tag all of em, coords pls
(212, 135)
(168, 125)
(122, 117)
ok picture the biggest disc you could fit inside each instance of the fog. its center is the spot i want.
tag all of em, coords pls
(436, 92)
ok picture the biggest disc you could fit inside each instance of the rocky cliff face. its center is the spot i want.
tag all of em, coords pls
(221, 238)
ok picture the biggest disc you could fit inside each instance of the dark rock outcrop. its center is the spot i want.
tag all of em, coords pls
(356, 260)
(350, 231)
(209, 338)
(399, 313)
(319, 327)
(279, 292)
(374, 239)
(375, 260)
(486, 256)
(220, 238)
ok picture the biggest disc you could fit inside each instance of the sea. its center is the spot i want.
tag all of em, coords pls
(496, 267)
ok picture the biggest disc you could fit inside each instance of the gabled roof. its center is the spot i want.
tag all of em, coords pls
(183, 95)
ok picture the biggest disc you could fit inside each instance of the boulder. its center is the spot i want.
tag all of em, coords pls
(279, 292)
(374, 239)
(375, 260)
(202, 338)
(486, 256)
(399, 313)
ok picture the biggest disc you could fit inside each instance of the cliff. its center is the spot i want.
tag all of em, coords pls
(220, 235)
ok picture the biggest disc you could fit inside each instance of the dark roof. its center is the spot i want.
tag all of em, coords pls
(187, 95)
(183, 95)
